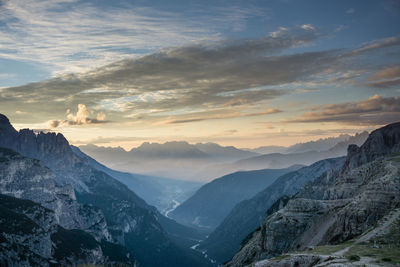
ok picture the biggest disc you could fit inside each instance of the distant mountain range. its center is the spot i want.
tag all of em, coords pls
(319, 145)
(176, 160)
(207, 161)
(90, 209)
(307, 157)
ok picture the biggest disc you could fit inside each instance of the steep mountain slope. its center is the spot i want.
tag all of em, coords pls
(213, 201)
(335, 208)
(130, 221)
(247, 215)
(159, 192)
(30, 236)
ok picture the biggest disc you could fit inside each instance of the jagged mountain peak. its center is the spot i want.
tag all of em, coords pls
(5, 125)
(381, 142)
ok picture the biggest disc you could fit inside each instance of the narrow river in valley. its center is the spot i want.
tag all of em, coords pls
(176, 204)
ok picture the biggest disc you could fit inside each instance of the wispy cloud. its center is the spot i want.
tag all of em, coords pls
(216, 116)
(376, 110)
(385, 78)
(71, 36)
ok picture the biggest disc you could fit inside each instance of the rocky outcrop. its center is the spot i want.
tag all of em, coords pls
(337, 207)
(30, 236)
(381, 142)
(246, 216)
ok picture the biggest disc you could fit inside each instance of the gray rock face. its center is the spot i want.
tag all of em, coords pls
(29, 237)
(246, 216)
(380, 142)
(334, 208)
(27, 178)
(51, 149)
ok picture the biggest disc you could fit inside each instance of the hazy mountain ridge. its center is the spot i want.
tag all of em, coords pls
(321, 144)
(213, 201)
(159, 192)
(307, 157)
(130, 221)
(206, 161)
(174, 160)
(334, 208)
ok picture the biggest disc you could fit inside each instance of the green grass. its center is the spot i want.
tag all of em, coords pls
(385, 253)
(328, 249)
(280, 257)
(395, 157)
(353, 258)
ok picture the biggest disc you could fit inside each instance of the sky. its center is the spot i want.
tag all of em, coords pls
(244, 73)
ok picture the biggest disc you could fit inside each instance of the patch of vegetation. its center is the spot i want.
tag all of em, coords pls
(353, 258)
(391, 253)
(115, 253)
(72, 243)
(281, 257)
(15, 223)
(328, 249)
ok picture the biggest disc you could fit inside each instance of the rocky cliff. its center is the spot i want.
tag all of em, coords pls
(27, 178)
(30, 236)
(334, 208)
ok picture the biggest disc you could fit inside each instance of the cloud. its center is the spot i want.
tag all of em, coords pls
(215, 116)
(385, 78)
(376, 110)
(379, 44)
(72, 35)
(384, 84)
(224, 74)
(221, 76)
(387, 73)
(80, 118)
(308, 27)
(350, 11)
